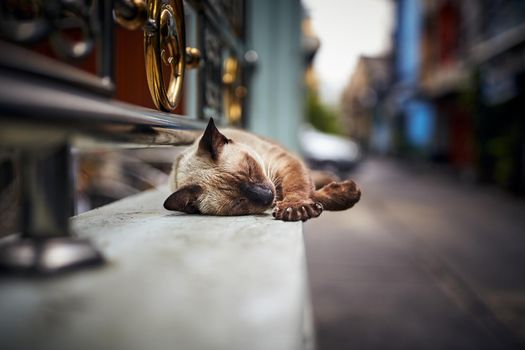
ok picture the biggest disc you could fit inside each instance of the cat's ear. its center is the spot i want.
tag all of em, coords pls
(212, 141)
(184, 199)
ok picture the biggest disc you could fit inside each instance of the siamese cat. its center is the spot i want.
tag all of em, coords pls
(237, 173)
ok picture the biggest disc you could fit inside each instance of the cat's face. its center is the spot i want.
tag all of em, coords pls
(222, 178)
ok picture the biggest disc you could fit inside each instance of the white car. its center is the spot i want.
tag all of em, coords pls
(329, 152)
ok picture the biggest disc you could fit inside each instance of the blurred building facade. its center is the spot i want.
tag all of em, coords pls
(455, 89)
(360, 102)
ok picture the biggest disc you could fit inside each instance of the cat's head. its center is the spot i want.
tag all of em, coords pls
(221, 177)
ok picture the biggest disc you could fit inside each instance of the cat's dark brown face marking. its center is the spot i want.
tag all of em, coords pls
(252, 184)
(221, 178)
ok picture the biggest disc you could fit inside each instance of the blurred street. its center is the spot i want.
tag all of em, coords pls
(422, 262)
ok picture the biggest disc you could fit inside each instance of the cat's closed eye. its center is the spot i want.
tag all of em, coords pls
(240, 201)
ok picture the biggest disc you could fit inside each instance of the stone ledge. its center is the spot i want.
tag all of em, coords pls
(172, 281)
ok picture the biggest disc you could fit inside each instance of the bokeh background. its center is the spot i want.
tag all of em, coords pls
(422, 103)
(432, 256)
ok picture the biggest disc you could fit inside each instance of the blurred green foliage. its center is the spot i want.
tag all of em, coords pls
(323, 117)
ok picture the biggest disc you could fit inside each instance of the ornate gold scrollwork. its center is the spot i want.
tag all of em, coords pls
(233, 92)
(165, 48)
(130, 14)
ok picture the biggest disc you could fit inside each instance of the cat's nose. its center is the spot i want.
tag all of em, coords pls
(260, 194)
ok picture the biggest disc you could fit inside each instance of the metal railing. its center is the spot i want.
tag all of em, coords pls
(47, 106)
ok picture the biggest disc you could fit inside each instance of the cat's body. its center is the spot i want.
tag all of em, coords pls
(238, 173)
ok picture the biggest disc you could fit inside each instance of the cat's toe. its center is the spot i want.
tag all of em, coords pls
(314, 210)
(300, 211)
(350, 186)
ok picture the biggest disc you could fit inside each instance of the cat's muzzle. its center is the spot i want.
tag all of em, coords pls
(259, 194)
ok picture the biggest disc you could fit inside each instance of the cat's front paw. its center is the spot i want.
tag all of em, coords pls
(297, 210)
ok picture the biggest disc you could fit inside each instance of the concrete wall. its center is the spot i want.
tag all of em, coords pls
(171, 281)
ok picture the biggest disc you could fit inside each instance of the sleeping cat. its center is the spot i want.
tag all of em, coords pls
(238, 173)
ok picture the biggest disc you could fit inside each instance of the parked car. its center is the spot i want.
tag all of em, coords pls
(328, 152)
